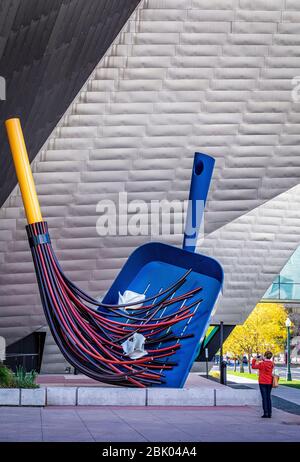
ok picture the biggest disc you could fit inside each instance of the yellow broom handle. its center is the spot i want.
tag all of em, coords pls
(23, 170)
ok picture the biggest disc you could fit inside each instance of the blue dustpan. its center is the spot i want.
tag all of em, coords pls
(156, 266)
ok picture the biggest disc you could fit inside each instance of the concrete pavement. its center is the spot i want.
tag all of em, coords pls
(197, 424)
(283, 392)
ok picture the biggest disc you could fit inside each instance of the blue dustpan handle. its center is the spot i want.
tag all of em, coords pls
(200, 181)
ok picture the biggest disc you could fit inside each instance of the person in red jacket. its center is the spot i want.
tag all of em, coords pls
(265, 367)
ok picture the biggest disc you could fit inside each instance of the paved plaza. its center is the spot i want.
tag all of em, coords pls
(134, 424)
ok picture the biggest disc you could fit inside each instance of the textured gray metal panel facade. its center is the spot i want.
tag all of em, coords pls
(188, 75)
(252, 249)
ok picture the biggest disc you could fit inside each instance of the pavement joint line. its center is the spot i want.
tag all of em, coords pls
(175, 425)
(127, 423)
(84, 424)
(41, 421)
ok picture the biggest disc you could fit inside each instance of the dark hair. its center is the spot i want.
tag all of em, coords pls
(268, 354)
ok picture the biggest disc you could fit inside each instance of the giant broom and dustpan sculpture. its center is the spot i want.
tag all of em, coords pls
(180, 288)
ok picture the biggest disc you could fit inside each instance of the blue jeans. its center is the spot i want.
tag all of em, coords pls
(265, 391)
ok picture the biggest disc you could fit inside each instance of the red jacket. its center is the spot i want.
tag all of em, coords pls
(265, 369)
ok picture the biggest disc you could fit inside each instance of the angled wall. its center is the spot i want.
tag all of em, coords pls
(48, 49)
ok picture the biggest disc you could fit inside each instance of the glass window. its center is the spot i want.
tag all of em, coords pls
(286, 285)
